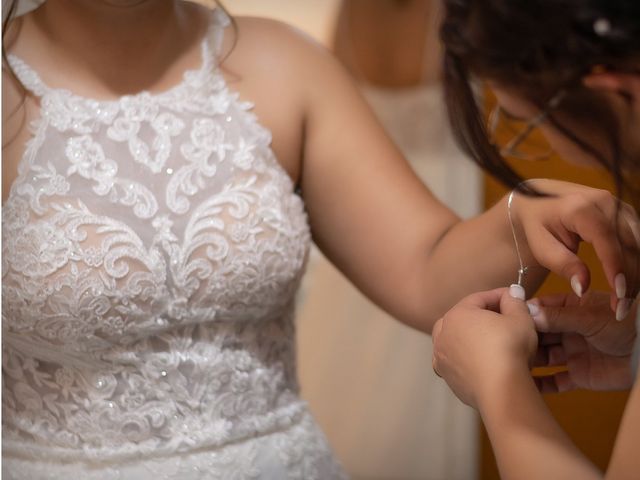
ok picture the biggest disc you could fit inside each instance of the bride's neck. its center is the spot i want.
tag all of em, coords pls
(116, 32)
(118, 46)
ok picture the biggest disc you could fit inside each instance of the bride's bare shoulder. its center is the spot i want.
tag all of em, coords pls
(261, 47)
(272, 37)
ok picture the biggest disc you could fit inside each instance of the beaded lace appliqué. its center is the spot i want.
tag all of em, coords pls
(152, 247)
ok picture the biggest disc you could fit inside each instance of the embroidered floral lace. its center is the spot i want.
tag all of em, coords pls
(152, 247)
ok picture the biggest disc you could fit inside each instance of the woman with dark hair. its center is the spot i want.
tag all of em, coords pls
(569, 68)
(156, 226)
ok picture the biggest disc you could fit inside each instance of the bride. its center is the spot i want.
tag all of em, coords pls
(165, 168)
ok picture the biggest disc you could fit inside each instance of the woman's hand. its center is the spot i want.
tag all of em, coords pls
(583, 335)
(389, 235)
(554, 226)
(482, 340)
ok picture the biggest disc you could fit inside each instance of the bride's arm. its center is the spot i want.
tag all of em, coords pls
(381, 226)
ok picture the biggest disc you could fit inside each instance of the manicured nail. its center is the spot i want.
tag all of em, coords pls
(516, 291)
(576, 286)
(622, 310)
(538, 317)
(621, 285)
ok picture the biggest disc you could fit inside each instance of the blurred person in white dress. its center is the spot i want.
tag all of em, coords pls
(380, 423)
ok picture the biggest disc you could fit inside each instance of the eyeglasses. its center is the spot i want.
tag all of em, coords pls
(522, 143)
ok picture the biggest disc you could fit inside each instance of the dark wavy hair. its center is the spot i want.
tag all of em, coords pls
(538, 48)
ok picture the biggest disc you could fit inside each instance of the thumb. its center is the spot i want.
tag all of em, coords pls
(513, 302)
(514, 307)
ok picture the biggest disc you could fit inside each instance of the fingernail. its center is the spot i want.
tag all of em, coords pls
(538, 317)
(621, 285)
(576, 286)
(516, 291)
(622, 310)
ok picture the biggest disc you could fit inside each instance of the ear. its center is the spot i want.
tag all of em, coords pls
(627, 84)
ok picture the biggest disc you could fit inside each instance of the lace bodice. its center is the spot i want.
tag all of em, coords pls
(152, 247)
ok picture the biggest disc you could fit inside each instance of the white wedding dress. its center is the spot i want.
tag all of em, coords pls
(152, 248)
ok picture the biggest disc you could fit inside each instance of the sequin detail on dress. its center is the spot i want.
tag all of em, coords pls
(152, 248)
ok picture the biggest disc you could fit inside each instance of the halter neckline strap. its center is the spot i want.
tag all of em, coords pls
(210, 47)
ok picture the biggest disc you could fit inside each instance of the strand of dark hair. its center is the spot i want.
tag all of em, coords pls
(503, 40)
(6, 69)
